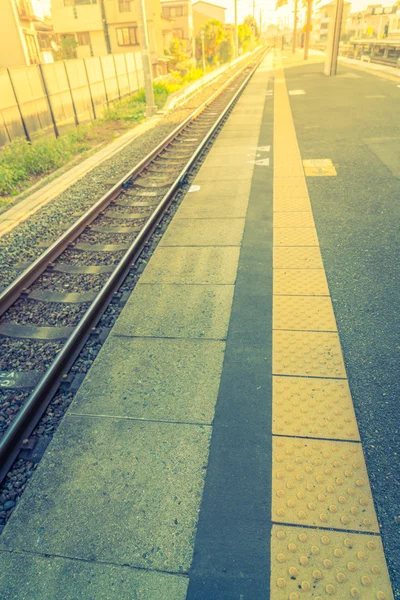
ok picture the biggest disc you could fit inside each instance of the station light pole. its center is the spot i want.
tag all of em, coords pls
(294, 27)
(151, 107)
(308, 29)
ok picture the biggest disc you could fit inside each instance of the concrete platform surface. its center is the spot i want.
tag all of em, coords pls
(235, 437)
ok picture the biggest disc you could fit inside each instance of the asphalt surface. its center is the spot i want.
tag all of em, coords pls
(353, 119)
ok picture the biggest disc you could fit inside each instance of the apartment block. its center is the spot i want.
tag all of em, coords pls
(180, 11)
(100, 27)
(203, 12)
(25, 34)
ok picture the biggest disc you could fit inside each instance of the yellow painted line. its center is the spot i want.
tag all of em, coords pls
(319, 408)
(319, 474)
(308, 563)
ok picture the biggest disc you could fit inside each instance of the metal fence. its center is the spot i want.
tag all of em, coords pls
(51, 97)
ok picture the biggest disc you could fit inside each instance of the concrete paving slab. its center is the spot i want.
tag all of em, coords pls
(243, 134)
(154, 379)
(35, 577)
(236, 159)
(214, 190)
(149, 475)
(204, 232)
(177, 311)
(237, 173)
(210, 208)
(224, 141)
(207, 265)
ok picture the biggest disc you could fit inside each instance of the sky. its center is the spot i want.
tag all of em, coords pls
(245, 7)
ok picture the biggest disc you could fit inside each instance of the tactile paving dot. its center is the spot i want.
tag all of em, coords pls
(320, 408)
(295, 236)
(294, 219)
(290, 183)
(297, 258)
(321, 483)
(299, 282)
(315, 353)
(290, 202)
(303, 313)
(289, 193)
(311, 563)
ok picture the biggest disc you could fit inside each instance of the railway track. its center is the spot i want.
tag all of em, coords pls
(50, 310)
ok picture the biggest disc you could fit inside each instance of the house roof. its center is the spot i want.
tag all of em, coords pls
(209, 3)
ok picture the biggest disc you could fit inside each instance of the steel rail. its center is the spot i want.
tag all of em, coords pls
(12, 292)
(36, 404)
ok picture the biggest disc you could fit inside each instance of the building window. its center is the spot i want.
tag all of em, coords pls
(32, 49)
(125, 5)
(176, 11)
(127, 36)
(83, 38)
(78, 2)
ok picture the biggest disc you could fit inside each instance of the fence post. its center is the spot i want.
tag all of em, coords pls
(72, 98)
(104, 81)
(28, 138)
(48, 102)
(116, 76)
(90, 89)
(127, 74)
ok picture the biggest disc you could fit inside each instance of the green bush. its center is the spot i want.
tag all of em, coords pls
(20, 160)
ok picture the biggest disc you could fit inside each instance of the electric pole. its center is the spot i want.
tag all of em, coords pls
(203, 53)
(294, 27)
(308, 29)
(335, 27)
(236, 32)
(151, 108)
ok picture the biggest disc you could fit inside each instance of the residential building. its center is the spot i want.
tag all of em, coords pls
(375, 21)
(203, 12)
(322, 18)
(100, 27)
(25, 34)
(181, 12)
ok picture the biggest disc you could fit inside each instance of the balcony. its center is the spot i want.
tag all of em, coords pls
(25, 11)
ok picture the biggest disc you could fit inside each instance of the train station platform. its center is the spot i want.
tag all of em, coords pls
(214, 449)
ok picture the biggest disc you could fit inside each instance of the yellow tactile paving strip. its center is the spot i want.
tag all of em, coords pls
(310, 563)
(319, 477)
(315, 408)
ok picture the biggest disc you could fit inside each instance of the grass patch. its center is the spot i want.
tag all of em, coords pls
(21, 163)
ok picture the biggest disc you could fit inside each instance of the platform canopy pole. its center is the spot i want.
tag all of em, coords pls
(151, 107)
(236, 31)
(335, 27)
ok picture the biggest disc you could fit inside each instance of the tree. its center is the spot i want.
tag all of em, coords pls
(226, 49)
(214, 34)
(68, 45)
(250, 20)
(246, 38)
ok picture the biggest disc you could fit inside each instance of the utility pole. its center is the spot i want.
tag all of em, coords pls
(308, 29)
(335, 27)
(151, 108)
(294, 27)
(202, 52)
(254, 9)
(236, 32)
(105, 26)
(261, 23)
